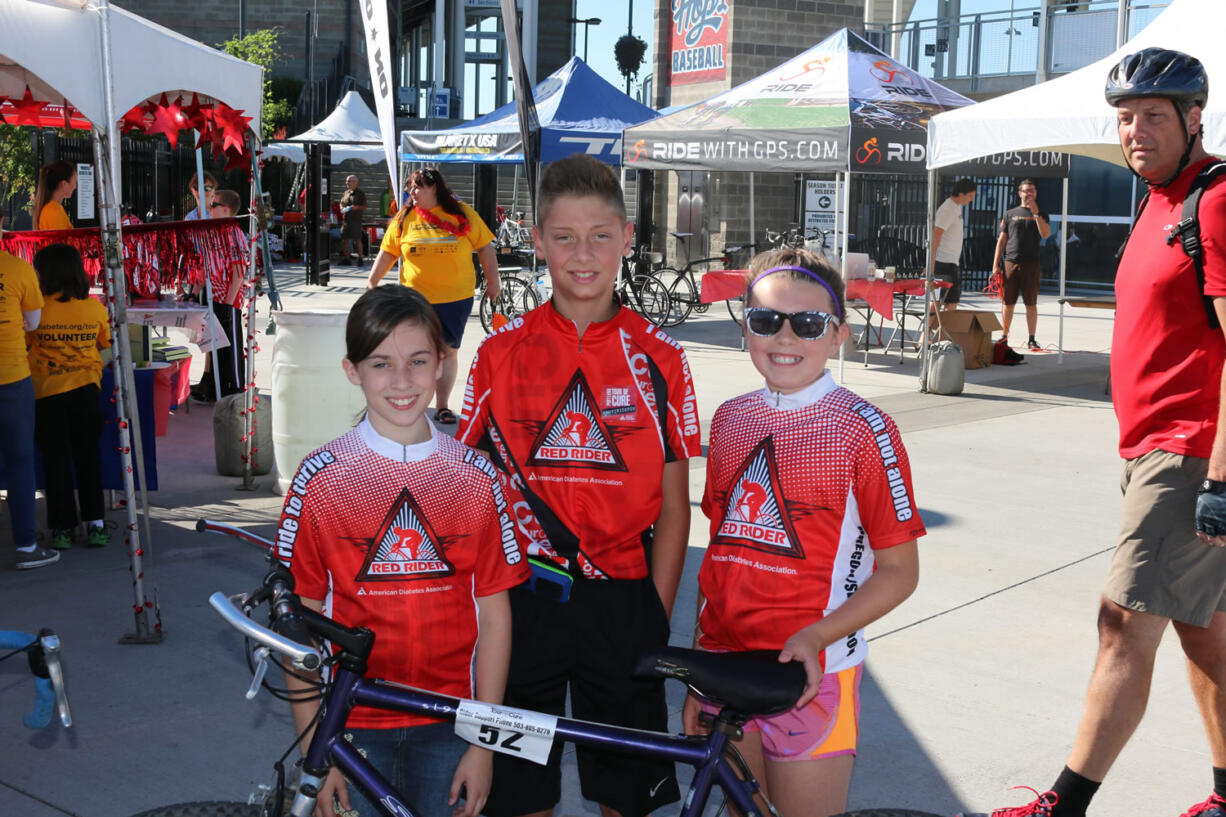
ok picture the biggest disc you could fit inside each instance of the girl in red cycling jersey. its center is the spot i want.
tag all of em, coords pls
(813, 530)
(399, 528)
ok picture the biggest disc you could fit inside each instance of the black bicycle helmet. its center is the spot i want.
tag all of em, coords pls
(1159, 72)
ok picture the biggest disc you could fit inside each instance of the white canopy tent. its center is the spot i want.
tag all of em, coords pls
(146, 60)
(351, 129)
(119, 61)
(1069, 113)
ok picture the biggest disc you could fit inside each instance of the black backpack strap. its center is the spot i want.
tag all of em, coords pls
(1140, 209)
(1187, 231)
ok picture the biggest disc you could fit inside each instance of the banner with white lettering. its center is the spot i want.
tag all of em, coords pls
(374, 22)
(1048, 164)
(817, 150)
(698, 41)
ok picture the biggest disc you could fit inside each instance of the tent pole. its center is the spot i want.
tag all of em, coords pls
(753, 227)
(129, 420)
(1064, 228)
(249, 395)
(838, 183)
(928, 280)
(202, 206)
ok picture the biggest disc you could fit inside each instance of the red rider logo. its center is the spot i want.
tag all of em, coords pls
(869, 152)
(405, 547)
(575, 437)
(755, 515)
(884, 71)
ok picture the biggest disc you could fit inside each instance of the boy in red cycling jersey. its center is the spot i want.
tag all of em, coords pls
(591, 411)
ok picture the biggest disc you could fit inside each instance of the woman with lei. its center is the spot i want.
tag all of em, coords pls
(434, 237)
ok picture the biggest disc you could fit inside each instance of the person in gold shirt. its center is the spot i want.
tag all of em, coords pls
(67, 372)
(21, 306)
(56, 182)
(434, 237)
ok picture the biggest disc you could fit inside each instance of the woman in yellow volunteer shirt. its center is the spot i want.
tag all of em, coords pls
(67, 371)
(56, 182)
(21, 306)
(434, 238)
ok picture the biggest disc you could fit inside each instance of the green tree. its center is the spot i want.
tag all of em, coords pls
(262, 47)
(18, 168)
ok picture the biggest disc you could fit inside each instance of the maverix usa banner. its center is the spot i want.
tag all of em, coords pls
(698, 41)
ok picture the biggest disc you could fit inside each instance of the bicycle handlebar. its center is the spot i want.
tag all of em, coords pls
(233, 611)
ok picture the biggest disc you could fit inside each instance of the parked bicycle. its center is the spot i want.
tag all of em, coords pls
(683, 285)
(513, 239)
(641, 291)
(518, 297)
(743, 683)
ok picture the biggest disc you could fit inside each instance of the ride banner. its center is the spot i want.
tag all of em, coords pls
(698, 41)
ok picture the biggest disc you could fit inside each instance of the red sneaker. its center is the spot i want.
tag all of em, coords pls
(1213, 807)
(1041, 806)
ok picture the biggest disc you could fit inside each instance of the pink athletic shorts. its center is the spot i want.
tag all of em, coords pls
(828, 726)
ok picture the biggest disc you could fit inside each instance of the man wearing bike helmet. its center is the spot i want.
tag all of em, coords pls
(1167, 386)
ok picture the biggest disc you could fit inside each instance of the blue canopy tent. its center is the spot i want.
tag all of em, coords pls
(579, 112)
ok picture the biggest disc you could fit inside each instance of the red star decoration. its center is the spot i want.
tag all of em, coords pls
(233, 126)
(237, 160)
(27, 110)
(133, 120)
(197, 116)
(168, 119)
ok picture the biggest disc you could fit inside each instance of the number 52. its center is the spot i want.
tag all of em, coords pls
(491, 736)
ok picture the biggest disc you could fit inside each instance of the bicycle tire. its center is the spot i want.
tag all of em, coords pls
(680, 292)
(736, 309)
(211, 808)
(650, 298)
(517, 298)
(887, 812)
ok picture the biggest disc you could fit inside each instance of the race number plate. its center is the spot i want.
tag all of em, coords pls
(514, 732)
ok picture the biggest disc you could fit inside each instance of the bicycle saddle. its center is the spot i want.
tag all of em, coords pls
(680, 235)
(752, 683)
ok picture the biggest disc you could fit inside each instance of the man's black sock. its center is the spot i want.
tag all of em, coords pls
(1032, 340)
(1074, 793)
(1219, 782)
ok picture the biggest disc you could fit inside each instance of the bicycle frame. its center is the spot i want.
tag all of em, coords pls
(349, 689)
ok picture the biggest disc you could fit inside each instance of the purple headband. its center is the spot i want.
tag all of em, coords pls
(834, 299)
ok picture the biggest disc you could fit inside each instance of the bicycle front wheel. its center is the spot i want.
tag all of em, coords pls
(650, 299)
(736, 309)
(680, 292)
(517, 298)
(211, 808)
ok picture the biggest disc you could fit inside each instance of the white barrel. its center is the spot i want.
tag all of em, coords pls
(313, 400)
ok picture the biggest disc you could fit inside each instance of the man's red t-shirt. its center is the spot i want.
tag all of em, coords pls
(1166, 363)
(403, 540)
(799, 496)
(584, 428)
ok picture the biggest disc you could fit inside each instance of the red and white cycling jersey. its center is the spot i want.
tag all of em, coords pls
(403, 540)
(799, 498)
(584, 428)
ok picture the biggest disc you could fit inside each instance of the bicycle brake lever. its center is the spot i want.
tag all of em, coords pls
(261, 668)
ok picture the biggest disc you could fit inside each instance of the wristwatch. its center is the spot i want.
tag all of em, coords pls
(1212, 486)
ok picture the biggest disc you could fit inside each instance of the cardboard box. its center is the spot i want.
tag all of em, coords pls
(972, 331)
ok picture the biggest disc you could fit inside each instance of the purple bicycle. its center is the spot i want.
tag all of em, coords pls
(746, 684)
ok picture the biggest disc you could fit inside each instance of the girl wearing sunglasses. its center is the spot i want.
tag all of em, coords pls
(813, 531)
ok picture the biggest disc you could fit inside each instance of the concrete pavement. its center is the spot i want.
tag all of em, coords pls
(973, 685)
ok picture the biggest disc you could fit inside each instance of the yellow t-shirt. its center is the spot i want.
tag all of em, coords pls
(18, 293)
(64, 348)
(53, 216)
(436, 263)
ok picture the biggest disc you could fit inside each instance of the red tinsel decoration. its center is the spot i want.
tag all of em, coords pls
(157, 257)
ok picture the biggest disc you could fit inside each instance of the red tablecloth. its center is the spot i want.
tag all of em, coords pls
(720, 285)
(879, 295)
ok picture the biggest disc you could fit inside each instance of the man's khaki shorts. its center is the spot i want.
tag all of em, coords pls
(1160, 567)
